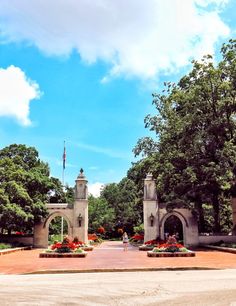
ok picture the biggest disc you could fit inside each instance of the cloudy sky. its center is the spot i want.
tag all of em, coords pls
(83, 71)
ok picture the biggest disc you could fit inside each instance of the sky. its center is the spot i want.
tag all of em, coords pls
(84, 71)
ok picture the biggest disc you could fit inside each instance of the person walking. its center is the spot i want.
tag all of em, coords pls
(125, 241)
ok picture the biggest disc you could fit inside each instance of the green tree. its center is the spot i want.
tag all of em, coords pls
(194, 153)
(123, 198)
(100, 214)
(25, 187)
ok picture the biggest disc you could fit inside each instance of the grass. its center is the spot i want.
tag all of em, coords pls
(229, 245)
(4, 246)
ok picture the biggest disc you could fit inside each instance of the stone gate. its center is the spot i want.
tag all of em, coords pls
(156, 216)
(76, 215)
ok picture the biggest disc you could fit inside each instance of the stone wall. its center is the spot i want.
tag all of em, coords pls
(25, 240)
(213, 239)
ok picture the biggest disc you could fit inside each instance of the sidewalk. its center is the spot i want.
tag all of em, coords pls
(109, 256)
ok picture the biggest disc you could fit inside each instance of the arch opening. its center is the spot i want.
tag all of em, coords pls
(174, 226)
(57, 229)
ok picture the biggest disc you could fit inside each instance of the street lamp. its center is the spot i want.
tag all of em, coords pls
(80, 218)
(151, 219)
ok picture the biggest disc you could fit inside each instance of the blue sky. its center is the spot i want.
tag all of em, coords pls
(84, 71)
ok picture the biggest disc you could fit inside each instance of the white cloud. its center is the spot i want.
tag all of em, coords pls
(136, 38)
(95, 189)
(105, 151)
(16, 92)
(93, 168)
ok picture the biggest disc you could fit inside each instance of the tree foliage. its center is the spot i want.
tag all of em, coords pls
(123, 198)
(194, 152)
(25, 187)
(100, 214)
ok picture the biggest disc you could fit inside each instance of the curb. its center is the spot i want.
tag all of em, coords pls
(218, 248)
(8, 251)
(119, 270)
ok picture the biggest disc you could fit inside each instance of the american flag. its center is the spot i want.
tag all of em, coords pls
(64, 157)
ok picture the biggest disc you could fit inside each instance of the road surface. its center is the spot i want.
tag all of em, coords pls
(208, 287)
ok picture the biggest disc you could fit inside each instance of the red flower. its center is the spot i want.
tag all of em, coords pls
(101, 230)
(120, 231)
(56, 246)
(20, 233)
(151, 242)
(92, 237)
(137, 237)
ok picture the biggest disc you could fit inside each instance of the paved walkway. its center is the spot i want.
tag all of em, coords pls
(109, 256)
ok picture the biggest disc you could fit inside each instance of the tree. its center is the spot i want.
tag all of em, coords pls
(25, 186)
(100, 214)
(123, 198)
(195, 150)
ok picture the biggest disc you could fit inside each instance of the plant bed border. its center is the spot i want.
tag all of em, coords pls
(87, 248)
(62, 255)
(145, 248)
(13, 250)
(169, 254)
(219, 248)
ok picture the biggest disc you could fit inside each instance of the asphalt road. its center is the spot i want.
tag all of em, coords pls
(208, 287)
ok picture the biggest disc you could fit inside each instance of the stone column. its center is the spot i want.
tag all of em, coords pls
(150, 209)
(80, 219)
(40, 236)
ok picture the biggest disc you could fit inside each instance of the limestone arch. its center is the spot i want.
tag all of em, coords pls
(54, 215)
(182, 219)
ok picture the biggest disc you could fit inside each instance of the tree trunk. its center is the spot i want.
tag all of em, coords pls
(216, 213)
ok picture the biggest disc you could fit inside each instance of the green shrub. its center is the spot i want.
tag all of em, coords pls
(79, 251)
(64, 249)
(5, 246)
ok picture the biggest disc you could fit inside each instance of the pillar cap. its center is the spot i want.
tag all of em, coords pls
(81, 176)
(149, 177)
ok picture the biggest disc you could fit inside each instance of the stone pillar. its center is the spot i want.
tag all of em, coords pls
(40, 236)
(80, 219)
(150, 209)
(233, 203)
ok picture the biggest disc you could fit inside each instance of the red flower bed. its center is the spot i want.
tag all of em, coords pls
(92, 237)
(152, 242)
(60, 245)
(137, 237)
(167, 245)
(170, 247)
(67, 246)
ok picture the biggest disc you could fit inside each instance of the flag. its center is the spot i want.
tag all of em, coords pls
(64, 157)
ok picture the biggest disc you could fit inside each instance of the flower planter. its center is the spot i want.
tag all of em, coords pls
(62, 255)
(170, 254)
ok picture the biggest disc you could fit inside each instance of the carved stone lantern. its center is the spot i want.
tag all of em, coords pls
(151, 219)
(80, 218)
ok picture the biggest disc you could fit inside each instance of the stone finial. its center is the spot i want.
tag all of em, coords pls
(81, 173)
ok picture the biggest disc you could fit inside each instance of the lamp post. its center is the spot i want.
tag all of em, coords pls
(151, 219)
(80, 218)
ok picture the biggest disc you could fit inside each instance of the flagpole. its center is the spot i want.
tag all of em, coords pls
(62, 229)
(63, 181)
(64, 165)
